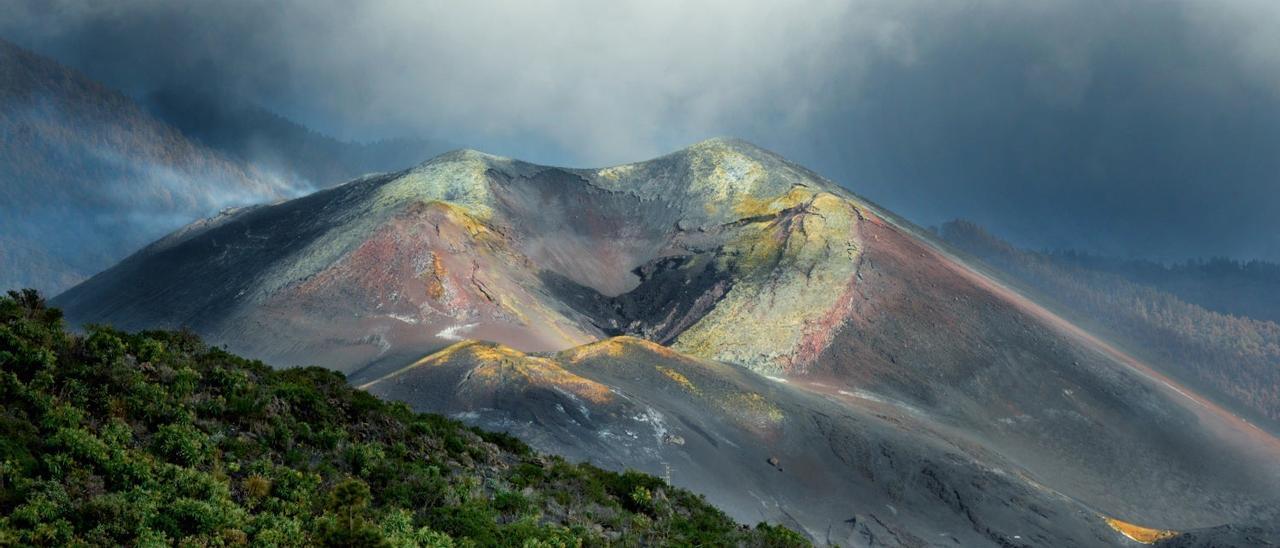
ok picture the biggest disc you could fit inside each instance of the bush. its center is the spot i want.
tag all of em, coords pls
(180, 444)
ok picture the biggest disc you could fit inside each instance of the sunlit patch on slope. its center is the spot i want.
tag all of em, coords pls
(498, 364)
(494, 366)
(616, 347)
(874, 398)
(453, 332)
(679, 379)
(752, 410)
(1145, 535)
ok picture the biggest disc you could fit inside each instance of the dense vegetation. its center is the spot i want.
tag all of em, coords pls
(154, 438)
(1238, 358)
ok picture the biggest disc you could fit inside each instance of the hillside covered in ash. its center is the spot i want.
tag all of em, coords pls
(1152, 310)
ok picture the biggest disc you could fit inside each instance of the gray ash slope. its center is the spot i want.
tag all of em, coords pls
(844, 472)
(1226, 536)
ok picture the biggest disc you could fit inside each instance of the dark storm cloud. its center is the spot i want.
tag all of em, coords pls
(1149, 128)
(1145, 128)
(607, 80)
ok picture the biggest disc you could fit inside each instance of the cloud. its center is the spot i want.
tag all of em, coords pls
(1144, 128)
(608, 80)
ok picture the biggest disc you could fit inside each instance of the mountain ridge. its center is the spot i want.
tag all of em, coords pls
(257, 136)
(88, 177)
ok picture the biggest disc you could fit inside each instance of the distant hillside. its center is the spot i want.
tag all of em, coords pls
(116, 439)
(1236, 357)
(253, 134)
(86, 176)
(1238, 288)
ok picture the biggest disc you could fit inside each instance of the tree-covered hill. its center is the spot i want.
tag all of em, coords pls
(154, 438)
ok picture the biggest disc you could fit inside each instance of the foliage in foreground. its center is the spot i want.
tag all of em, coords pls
(156, 439)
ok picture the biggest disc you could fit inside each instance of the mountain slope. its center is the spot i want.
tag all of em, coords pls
(727, 254)
(1234, 357)
(87, 177)
(259, 137)
(846, 473)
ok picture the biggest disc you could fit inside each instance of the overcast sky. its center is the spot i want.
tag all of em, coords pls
(1133, 128)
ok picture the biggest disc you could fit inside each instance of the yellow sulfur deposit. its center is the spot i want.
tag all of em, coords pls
(616, 347)
(791, 269)
(495, 364)
(679, 379)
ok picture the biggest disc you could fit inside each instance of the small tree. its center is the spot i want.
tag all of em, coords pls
(347, 524)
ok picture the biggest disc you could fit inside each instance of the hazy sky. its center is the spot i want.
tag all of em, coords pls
(1136, 128)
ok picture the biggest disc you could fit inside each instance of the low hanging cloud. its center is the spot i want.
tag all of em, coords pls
(610, 81)
(1139, 128)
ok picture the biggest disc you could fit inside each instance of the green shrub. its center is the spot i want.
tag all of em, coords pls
(180, 444)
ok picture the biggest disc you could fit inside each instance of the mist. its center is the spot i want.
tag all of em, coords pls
(1136, 129)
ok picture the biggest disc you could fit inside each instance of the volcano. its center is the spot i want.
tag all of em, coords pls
(724, 318)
